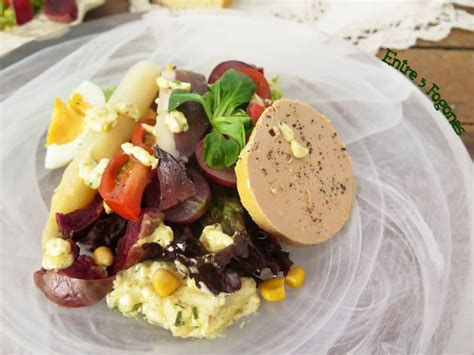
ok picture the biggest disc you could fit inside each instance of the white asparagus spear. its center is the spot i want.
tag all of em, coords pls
(138, 87)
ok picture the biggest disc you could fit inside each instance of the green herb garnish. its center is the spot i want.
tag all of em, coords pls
(178, 322)
(136, 307)
(195, 313)
(108, 92)
(230, 123)
(277, 92)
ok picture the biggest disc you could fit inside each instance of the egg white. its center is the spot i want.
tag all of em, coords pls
(59, 155)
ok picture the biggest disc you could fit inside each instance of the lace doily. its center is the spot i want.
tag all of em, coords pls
(370, 24)
(375, 24)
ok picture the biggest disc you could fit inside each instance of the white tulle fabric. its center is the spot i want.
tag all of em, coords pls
(389, 282)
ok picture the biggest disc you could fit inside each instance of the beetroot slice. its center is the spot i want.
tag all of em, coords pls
(221, 68)
(194, 112)
(175, 185)
(127, 253)
(151, 195)
(224, 177)
(194, 207)
(67, 291)
(198, 81)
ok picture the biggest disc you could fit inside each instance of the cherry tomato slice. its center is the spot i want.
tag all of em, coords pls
(123, 190)
(263, 88)
(139, 137)
(255, 110)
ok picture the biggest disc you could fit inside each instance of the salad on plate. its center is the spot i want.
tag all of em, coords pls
(179, 190)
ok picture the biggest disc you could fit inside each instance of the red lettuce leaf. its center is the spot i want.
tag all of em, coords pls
(128, 253)
(84, 268)
(175, 185)
(75, 224)
(105, 232)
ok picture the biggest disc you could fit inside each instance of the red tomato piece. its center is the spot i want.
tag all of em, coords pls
(263, 88)
(255, 110)
(139, 137)
(122, 185)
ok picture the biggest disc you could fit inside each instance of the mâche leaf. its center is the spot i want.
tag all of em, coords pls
(179, 97)
(231, 126)
(220, 152)
(230, 91)
(223, 106)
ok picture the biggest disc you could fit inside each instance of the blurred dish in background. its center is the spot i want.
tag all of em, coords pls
(23, 21)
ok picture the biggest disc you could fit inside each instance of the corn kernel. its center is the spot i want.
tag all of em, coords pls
(103, 256)
(273, 290)
(165, 283)
(295, 277)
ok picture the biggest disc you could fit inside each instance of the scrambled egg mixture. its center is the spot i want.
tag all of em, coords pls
(189, 311)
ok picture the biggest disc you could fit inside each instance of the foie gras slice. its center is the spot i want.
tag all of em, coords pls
(303, 201)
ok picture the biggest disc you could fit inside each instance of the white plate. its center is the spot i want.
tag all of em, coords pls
(389, 281)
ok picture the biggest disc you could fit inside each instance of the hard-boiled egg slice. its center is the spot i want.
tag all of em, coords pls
(66, 124)
(67, 131)
(91, 93)
(58, 155)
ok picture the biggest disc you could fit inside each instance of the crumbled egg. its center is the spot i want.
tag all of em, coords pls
(101, 119)
(91, 171)
(57, 254)
(128, 109)
(297, 149)
(107, 208)
(214, 239)
(162, 235)
(149, 129)
(189, 311)
(140, 154)
(176, 121)
(164, 83)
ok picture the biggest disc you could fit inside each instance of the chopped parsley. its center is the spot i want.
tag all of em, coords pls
(195, 313)
(179, 322)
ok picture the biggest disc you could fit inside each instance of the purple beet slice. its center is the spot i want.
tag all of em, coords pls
(80, 285)
(151, 195)
(194, 112)
(221, 68)
(175, 185)
(66, 291)
(198, 81)
(194, 207)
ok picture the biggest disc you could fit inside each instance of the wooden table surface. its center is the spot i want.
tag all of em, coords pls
(448, 63)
